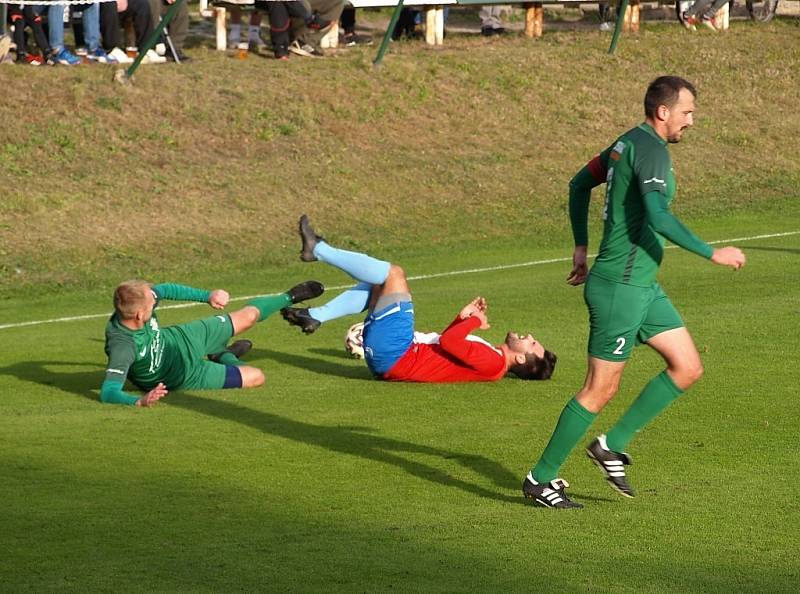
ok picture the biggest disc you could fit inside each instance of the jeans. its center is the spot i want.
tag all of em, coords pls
(91, 26)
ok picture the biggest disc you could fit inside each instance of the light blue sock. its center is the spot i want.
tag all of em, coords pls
(352, 301)
(360, 266)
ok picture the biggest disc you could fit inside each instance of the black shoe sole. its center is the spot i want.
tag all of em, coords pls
(306, 290)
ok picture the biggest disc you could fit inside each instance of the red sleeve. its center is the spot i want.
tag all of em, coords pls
(597, 169)
(475, 355)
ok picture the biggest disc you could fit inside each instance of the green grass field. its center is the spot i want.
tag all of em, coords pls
(325, 480)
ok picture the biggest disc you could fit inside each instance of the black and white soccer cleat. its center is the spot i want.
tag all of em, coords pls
(548, 494)
(612, 464)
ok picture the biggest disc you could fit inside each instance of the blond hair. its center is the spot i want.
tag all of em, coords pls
(129, 297)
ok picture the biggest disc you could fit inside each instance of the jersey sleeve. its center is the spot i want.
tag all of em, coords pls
(176, 292)
(652, 168)
(121, 355)
(111, 392)
(473, 354)
(580, 192)
(664, 222)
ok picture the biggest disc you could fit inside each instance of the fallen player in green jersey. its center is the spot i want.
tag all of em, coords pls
(192, 356)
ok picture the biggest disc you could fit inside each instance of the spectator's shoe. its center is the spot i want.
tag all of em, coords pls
(99, 56)
(180, 55)
(305, 49)
(239, 349)
(689, 22)
(120, 56)
(611, 463)
(281, 52)
(64, 57)
(548, 494)
(316, 22)
(310, 289)
(487, 31)
(499, 30)
(152, 57)
(299, 316)
(30, 59)
(606, 26)
(711, 23)
(161, 48)
(353, 39)
(256, 45)
(309, 239)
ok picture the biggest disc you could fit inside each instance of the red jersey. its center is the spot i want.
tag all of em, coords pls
(452, 356)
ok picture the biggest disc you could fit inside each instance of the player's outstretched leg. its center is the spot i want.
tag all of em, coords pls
(261, 308)
(361, 267)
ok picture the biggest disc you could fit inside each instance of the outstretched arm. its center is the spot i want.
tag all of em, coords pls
(217, 299)
(111, 392)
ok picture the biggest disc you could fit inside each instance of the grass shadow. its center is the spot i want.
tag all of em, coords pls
(321, 366)
(75, 382)
(361, 442)
(772, 249)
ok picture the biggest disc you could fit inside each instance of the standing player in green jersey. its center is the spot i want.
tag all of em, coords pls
(626, 304)
(191, 356)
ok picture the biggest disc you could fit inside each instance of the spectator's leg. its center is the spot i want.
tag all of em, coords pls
(55, 27)
(235, 19)
(110, 26)
(179, 27)
(348, 20)
(279, 27)
(91, 26)
(139, 11)
(17, 18)
(35, 23)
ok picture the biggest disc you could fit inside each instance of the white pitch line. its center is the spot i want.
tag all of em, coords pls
(419, 277)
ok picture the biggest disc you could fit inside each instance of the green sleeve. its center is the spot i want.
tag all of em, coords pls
(665, 223)
(580, 192)
(175, 292)
(111, 393)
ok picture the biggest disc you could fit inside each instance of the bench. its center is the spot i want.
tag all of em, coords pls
(434, 16)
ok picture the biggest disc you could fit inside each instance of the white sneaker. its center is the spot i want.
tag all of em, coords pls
(152, 57)
(161, 49)
(605, 26)
(120, 56)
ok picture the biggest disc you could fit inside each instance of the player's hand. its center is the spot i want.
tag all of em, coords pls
(153, 396)
(476, 308)
(729, 256)
(579, 268)
(218, 299)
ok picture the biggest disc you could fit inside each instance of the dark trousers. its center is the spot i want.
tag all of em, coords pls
(138, 11)
(22, 16)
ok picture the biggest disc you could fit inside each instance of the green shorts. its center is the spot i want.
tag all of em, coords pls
(201, 338)
(623, 316)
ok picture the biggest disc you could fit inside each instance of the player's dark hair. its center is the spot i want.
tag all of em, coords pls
(664, 91)
(535, 368)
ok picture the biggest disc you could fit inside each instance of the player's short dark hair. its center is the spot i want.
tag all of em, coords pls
(535, 368)
(664, 91)
(128, 297)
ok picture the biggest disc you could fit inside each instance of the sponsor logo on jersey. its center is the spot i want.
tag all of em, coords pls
(144, 351)
(654, 180)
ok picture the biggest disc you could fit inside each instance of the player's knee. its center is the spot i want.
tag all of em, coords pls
(693, 372)
(252, 377)
(396, 272)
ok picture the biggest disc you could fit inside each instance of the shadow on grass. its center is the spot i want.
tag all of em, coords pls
(320, 366)
(359, 442)
(82, 383)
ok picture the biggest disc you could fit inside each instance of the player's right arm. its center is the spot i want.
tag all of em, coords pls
(580, 192)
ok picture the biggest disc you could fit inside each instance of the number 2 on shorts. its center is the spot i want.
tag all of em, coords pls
(620, 345)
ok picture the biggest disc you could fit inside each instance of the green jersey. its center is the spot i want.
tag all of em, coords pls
(150, 355)
(640, 185)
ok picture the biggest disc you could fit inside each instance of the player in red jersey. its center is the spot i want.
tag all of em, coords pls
(392, 349)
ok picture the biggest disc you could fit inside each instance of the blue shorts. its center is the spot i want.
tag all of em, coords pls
(388, 334)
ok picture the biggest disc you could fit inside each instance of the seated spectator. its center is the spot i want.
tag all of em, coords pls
(348, 24)
(280, 14)
(113, 14)
(254, 41)
(407, 24)
(89, 15)
(22, 16)
(306, 34)
(178, 28)
(491, 16)
(702, 12)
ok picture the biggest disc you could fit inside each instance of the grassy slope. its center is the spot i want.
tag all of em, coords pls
(325, 480)
(199, 167)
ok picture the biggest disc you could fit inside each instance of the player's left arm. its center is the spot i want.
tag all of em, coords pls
(217, 298)
(472, 354)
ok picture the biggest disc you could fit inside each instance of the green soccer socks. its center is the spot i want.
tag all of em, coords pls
(571, 427)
